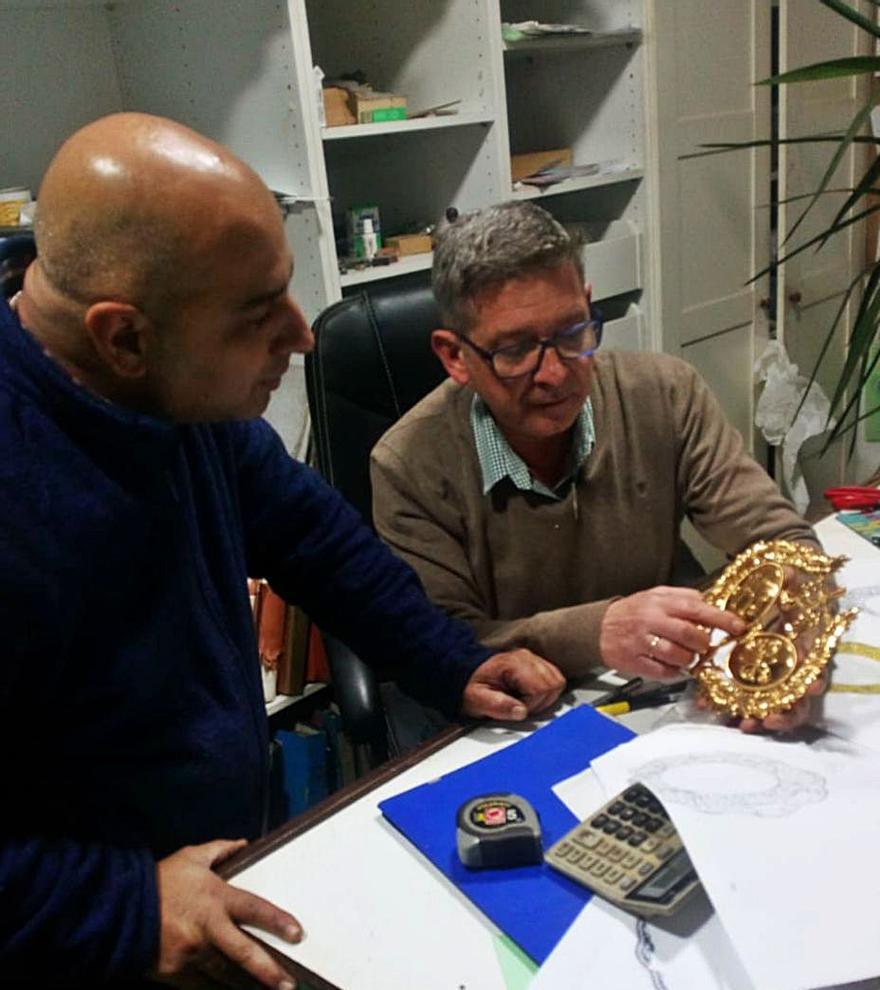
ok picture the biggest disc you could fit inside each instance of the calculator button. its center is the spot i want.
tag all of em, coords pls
(600, 869)
(666, 832)
(562, 848)
(631, 860)
(624, 833)
(650, 845)
(626, 814)
(642, 800)
(632, 793)
(637, 839)
(587, 862)
(645, 869)
(613, 874)
(574, 856)
(589, 840)
(627, 883)
(652, 824)
(600, 821)
(604, 847)
(616, 808)
(664, 852)
(610, 827)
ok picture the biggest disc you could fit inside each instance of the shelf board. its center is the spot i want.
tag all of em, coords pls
(405, 126)
(609, 178)
(573, 42)
(282, 701)
(406, 265)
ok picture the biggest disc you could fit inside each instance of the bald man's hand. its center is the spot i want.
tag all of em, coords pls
(510, 686)
(656, 633)
(200, 916)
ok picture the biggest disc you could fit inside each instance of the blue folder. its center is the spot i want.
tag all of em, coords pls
(534, 905)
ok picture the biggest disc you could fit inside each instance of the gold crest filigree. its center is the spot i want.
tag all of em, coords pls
(785, 593)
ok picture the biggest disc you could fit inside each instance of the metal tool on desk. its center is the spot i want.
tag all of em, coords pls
(618, 693)
(630, 693)
(663, 695)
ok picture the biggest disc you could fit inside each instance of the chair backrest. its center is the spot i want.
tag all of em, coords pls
(371, 363)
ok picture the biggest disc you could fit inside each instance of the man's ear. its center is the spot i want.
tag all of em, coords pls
(588, 292)
(118, 332)
(447, 346)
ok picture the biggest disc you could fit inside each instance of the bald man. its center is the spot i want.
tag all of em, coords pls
(138, 493)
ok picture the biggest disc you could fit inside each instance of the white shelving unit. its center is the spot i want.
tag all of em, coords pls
(283, 701)
(572, 43)
(405, 266)
(404, 126)
(605, 177)
(245, 77)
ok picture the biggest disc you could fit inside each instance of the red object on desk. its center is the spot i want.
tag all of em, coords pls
(854, 497)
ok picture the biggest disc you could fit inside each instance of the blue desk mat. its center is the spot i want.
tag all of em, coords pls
(534, 905)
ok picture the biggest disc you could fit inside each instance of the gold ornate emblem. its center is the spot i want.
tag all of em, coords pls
(785, 592)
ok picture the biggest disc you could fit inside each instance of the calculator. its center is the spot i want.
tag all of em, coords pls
(629, 853)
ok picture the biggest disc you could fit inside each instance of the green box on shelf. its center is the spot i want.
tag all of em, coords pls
(388, 113)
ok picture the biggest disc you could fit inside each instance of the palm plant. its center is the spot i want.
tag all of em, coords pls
(861, 201)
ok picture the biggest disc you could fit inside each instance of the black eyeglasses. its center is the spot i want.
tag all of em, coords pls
(525, 356)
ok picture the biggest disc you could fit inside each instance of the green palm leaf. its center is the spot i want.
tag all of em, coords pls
(858, 122)
(864, 188)
(852, 15)
(854, 65)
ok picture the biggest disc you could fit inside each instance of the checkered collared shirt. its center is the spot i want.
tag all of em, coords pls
(498, 460)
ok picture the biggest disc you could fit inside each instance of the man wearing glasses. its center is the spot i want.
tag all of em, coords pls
(539, 492)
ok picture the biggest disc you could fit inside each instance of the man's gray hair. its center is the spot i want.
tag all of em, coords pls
(491, 246)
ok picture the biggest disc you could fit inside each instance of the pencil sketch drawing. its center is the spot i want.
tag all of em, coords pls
(645, 954)
(732, 783)
(865, 599)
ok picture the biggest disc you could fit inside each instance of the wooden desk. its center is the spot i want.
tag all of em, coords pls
(336, 880)
(378, 915)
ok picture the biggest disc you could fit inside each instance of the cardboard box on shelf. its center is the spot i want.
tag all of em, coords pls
(405, 244)
(377, 107)
(12, 201)
(522, 166)
(337, 112)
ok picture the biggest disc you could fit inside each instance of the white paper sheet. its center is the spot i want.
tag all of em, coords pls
(851, 708)
(609, 949)
(363, 894)
(783, 835)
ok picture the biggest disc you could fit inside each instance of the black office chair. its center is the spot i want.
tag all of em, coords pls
(17, 251)
(371, 363)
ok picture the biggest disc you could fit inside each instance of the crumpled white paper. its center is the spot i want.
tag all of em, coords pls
(783, 388)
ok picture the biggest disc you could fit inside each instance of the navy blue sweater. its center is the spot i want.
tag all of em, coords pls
(131, 711)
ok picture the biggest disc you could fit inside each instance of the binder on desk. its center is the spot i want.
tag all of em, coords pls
(534, 905)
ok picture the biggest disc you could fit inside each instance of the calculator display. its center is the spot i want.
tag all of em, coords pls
(663, 885)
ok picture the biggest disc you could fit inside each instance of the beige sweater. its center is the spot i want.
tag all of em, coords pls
(528, 571)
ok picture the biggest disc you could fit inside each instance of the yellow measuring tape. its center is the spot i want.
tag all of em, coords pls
(861, 650)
